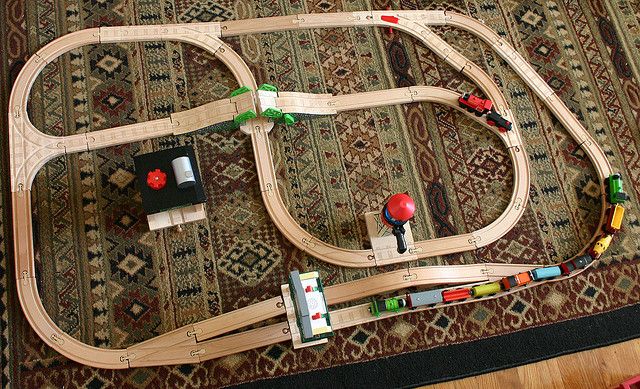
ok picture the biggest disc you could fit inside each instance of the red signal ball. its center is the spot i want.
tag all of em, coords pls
(400, 207)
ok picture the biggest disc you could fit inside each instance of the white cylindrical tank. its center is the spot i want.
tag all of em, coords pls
(184, 172)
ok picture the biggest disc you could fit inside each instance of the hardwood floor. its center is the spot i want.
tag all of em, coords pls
(605, 367)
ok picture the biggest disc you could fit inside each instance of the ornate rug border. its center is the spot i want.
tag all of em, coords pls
(434, 365)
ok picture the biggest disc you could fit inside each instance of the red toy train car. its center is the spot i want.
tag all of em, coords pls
(475, 104)
(481, 107)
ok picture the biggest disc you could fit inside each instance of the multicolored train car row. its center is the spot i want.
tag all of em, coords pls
(615, 196)
(437, 296)
(481, 107)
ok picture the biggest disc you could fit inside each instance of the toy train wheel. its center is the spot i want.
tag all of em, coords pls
(461, 104)
(491, 122)
(478, 114)
(470, 110)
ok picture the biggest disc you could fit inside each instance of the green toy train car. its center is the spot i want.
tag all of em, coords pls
(616, 193)
(394, 304)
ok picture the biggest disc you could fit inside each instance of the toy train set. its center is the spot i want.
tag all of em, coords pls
(254, 110)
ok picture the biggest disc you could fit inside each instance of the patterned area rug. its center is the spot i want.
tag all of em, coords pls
(109, 282)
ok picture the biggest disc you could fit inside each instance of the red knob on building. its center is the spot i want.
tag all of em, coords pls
(398, 210)
(156, 179)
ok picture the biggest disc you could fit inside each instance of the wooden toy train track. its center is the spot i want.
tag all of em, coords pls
(30, 149)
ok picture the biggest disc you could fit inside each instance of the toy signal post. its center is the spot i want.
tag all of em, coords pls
(395, 214)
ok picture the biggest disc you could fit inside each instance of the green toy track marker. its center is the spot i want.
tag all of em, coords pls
(268, 88)
(273, 113)
(289, 119)
(240, 91)
(243, 117)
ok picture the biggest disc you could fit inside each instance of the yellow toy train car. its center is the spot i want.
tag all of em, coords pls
(600, 246)
(614, 220)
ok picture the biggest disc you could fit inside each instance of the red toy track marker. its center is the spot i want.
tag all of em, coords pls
(156, 179)
(308, 289)
(316, 316)
(389, 19)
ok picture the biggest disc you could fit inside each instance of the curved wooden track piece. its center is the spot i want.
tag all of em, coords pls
(30, 149)
(310, 103)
